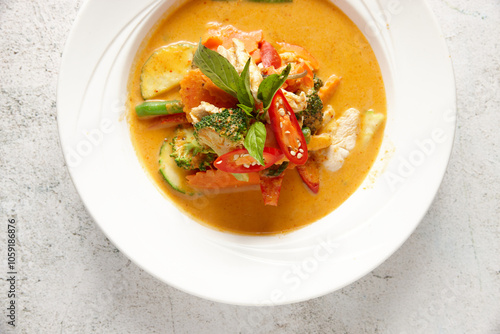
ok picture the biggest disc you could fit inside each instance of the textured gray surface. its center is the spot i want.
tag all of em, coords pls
(444, 279)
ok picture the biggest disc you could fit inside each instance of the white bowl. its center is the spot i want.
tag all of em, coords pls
(250, 270)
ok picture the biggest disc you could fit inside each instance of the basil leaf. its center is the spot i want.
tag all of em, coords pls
(270, 85)
(216, 68)
(277, 170)
(244, 93)
(246, 109)
(255, 140)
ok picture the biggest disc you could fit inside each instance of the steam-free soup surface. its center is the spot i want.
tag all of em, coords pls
(339, 47)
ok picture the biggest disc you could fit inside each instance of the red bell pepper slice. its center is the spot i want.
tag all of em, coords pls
(269, 55)
(309, 172)
(270, 188)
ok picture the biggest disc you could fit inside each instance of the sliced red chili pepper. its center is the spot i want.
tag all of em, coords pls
(287, 130)
(309, 172)
(168, 121)
(240, 161)
(271, 188)
(269, 55)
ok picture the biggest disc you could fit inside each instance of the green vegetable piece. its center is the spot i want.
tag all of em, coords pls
(276, 170)
(255, 140)
(188, 153)
(243, 177)
(270, 85)
(217, 68)
(244, 92)
(318, 83)
(158, 108)
(371, 123)
(313, 114)
(165, 69)
(223, 132)
(174, 175)
(307, 134)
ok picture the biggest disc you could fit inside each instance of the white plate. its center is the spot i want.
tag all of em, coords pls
(308, 263)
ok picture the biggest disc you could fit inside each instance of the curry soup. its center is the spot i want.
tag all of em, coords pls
(340, 48)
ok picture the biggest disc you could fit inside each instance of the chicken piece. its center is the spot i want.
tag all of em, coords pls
(238, 57)
(344, 135)
(219, 34)
(204, 109)
(297, 102)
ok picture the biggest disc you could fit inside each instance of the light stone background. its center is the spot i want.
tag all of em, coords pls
(444, 279)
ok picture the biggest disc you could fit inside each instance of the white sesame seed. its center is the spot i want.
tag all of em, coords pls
(218, 162)
(299, 155)
(293, 153)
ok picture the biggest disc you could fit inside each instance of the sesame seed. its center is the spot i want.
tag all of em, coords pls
(299, 155)
(218, 162)
(293, 153)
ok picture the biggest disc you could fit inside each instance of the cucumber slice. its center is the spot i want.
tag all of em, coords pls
(174, 175)
(158, 108)
(165, 68)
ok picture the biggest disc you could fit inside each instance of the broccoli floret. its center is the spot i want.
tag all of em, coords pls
(223, 132)
(318, 83)
(313, 114)
(188, 153)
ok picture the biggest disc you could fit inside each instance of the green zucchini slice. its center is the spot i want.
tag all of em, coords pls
(165, 69)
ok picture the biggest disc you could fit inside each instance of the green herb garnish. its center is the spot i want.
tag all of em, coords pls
(255, 140)
(217, 68)
(270, 85)
(244, 93)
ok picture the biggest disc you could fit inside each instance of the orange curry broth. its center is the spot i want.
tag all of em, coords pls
(340, 48)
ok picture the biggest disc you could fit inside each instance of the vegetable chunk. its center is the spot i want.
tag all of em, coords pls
(223, 132)
(197, 88)
(188, 153)
(219, 34)
(165, 69)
